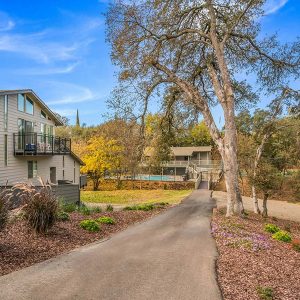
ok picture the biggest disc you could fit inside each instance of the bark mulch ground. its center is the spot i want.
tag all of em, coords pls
(20, 247)
(252, 265)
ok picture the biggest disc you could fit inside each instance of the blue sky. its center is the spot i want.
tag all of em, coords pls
(58, 49)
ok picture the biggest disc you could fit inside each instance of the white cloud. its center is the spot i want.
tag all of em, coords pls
(39, 48)
(66, 112)
(273, 6)
(62, 93)
(52, 44)
(6, 23)
(51, 70)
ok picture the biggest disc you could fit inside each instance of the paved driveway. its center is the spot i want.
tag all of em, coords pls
(171, 256)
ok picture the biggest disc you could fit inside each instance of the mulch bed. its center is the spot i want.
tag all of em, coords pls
(20, 247)
(249, 259)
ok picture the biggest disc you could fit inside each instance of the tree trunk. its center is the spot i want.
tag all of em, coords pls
(234, 199)
(265, 209)
(255, 201)
(231, 169)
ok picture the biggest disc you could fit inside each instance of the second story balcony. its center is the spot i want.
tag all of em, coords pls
(40, 144)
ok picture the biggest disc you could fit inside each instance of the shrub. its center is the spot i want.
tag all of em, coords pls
(84, 210)
(106, 220)
(265, 293)
(68, 207)
(90, 225)
(97, 209)
(41, 208)
(271, 228)
(296, 245)
(283, 236)
(63, 216)
(3, 207)
(109, 207)
(144, 207)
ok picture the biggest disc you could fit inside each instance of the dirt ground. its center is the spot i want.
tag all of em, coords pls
(251, 264)
(20, 247)
(276, 208)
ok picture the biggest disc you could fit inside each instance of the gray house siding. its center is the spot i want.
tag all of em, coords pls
(68, 193)
(16, 169)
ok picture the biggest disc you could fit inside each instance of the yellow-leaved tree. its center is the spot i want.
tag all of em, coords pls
(100, 156)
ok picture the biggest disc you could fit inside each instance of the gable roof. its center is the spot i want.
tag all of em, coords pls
(181, 151)
(38, 100)
(188, 151)
(77, 158)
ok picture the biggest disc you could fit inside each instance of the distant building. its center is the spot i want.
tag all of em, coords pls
(186, 160)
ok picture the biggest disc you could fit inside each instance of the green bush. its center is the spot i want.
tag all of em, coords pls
(90, 225)
(63, 216)
(96, 209)
(144, 207)
(271, 228)
(68, 207)
(109, 207)
(282, 236)
(106, 220)
(41, 208)
(84, 210)
(265, 293)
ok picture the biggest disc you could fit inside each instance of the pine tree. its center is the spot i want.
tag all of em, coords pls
(77, 119)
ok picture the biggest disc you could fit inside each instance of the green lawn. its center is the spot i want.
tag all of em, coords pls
(134, 196)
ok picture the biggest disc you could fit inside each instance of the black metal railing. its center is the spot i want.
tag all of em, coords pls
(39, 144)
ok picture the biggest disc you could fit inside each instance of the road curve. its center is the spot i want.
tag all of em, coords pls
(171, 256)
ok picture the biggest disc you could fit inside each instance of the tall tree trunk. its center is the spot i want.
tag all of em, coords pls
(265, 208)
(234, 199)
(255, 201)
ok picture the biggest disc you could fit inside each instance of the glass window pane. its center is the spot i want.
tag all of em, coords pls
(29, 106)
(21, 102)
(21, 131)
(43, 115)
(30, 169)
(34, 169)
(5, 111)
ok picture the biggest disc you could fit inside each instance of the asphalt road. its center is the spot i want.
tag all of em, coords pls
(171, 256)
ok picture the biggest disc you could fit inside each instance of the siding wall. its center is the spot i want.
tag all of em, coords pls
(16, 170)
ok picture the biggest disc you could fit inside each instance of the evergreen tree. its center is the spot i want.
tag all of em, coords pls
(77, 119)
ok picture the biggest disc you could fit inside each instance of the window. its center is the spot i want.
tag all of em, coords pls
(49, 132)
(5, 112)
(21, 102)
(25, 104)
(32, 169)
(5, 150)
(29, 106)
(43, 115)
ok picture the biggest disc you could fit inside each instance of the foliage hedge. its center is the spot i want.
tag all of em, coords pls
(282, 236)
(271, 228)
(90, 225)
(106, 220)
(111, 185)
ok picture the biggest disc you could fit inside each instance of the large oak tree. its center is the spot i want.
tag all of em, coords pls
(198, 49)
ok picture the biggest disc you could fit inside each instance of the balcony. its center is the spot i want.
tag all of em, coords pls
(40, 144)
